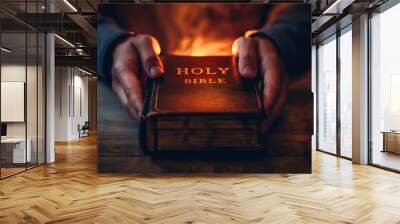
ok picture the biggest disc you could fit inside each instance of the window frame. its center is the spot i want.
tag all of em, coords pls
(333, 37)
(378, 10)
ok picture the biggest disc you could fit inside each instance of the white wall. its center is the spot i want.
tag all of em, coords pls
(16, 72)
(71, 102)
(314, 91)
(62, 81)
(33, 127)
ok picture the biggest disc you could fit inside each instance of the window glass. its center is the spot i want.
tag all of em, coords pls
(327, 96)
(346, 94)
(15, 149)
(385, 88)
(22, 89)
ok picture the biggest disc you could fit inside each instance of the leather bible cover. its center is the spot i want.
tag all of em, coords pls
(201, 103)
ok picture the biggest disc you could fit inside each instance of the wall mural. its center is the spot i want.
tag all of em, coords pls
(196, 87)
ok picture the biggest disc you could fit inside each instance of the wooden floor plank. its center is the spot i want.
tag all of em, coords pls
(71, 191)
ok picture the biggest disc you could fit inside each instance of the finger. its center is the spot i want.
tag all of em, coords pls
(247, 57)
(124, 99)
(126, 65)
(272, 79)
(149, 49)
(125, 73)
(275, 109)
(273, 74)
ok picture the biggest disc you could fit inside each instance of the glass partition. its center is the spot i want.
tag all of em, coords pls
(14, 145)
(345, 92)
(22, 77)
(32, 95)
(385, 89)
(41, 97)
(327, 96)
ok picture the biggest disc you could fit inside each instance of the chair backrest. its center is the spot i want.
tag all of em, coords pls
(3, 129)
(86, 125)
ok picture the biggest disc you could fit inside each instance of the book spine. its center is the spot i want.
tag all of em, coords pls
(143, 124)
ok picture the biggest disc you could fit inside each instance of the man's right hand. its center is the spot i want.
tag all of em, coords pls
(138, 54)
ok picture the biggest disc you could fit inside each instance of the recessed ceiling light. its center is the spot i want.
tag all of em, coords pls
(5, 49)
(70, 5)
(337, 7)
(84, 71)
(64, 40)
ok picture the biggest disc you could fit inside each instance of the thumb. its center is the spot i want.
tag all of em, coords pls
(149, 49)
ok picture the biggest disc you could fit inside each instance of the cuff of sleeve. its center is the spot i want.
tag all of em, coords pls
(107, 43)
(279, 34)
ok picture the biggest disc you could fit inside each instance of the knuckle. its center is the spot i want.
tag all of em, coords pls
(241, 39)
(145, 38)
(125, 105)
(247, 56)
(151, 59)
(241, 42)
(123, 66)
(116, 73)
(117, 67)
(248, 46)
(130, 94)
(124, 45)
(264, 61)
(114, 86)
(247, 41)
(252, 40)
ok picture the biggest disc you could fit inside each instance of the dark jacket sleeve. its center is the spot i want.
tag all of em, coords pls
(108, 36)
(291, 33)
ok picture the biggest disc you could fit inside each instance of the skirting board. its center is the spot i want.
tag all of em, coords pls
(143, 165)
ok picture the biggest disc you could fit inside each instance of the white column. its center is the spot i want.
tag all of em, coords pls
(314, 91)
(50, 98)
(360, 90)
(50, 92)
(62, 103)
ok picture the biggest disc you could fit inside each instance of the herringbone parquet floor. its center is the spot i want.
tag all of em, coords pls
(71, 191)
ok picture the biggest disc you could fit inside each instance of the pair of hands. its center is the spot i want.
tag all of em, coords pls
(256, 55)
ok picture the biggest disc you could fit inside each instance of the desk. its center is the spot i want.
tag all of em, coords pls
(13, 150)
(391, 141)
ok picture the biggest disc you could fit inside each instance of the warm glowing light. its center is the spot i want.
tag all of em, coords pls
(156, 45)
(204, 47)
(235, 48)
(249, 33)
(235, 45)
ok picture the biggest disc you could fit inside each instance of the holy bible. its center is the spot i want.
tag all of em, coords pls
(201, 103)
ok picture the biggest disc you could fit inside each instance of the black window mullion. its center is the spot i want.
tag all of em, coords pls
(37, 89)
(338, 99)
(317, 97)
(369, 100)
(26, 87)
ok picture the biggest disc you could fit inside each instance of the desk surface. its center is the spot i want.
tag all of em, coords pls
(13, 140)
(390, 132)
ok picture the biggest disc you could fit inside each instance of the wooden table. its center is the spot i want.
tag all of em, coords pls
(14, 151)
(391, 141)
